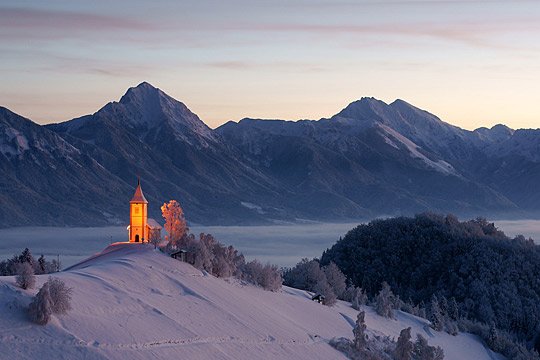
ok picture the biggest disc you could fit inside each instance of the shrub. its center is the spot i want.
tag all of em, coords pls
(40, 308)
(25, 278)
(53, 297)
(60, 296)
(267, 276)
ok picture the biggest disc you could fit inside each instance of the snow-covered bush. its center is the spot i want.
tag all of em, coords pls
(328, 281)
(356, 296)
(40, 308)
(267, 276)
(384, 302)
(25, 275)
(53, 297)
(206, 253)
(60, 296)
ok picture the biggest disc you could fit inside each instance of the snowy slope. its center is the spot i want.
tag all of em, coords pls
(132, 302)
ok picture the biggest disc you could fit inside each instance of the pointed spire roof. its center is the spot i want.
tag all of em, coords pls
(138, 197)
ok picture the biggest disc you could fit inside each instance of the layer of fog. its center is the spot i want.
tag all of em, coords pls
(284, 245)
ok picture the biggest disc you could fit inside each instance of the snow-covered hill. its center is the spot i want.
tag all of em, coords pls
(131, 301)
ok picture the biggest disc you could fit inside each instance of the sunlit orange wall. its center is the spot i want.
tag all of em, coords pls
(138, 215)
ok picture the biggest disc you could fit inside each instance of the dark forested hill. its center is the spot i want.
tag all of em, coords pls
(493, 278)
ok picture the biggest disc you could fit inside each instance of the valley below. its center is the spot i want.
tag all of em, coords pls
(283, 245)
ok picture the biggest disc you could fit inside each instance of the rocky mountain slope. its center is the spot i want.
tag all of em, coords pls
(370, 159)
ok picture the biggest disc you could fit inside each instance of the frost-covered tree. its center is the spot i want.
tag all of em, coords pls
(40, 308)
(175, 222)
(336, 279)
(26, 256)
(453, 310)
(60, 296)
(404, 346)
(359, 298)
(356, 296)
(323, 288)
(436, 317)
(267, 276)
(25, 275)
(422, 350)
(155, 238)
(359, 331)
(305, 275)
(41, 265)
(384, 302)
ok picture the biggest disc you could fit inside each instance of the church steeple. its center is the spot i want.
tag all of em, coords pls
(138, 197)
(138, 216)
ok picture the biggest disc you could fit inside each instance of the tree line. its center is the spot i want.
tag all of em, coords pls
(466, 274)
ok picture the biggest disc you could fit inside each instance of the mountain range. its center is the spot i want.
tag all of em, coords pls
(370, 159)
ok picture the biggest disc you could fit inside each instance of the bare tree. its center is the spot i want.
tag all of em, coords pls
(175, 222)
(25, 275)
(155, 238)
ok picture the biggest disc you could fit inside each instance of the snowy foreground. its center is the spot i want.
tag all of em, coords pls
(130, 301)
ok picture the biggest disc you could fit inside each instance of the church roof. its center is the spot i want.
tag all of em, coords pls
(138, 197)
(153, 224)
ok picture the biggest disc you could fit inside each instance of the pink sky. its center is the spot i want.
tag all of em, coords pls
(473, 63)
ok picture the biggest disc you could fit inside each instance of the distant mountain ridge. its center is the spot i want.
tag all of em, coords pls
(370, 159)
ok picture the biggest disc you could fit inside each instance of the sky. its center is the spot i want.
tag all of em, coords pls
(472, 63)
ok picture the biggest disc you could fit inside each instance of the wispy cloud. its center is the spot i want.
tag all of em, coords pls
(475, 33)
(38, 23)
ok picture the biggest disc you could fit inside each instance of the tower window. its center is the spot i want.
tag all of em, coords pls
(136, 210)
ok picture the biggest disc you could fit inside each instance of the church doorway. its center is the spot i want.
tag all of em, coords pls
(137, 238)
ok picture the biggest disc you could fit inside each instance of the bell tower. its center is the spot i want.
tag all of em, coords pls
(138, 216)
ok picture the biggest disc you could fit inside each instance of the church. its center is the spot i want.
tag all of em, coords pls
(141, 228)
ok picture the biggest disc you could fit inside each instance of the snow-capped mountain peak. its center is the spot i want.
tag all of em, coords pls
(148, 107)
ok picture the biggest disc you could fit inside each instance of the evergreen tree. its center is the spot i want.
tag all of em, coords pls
(42, 264)
(384, 301)
(453, 309)
(422, 351)
(26, 256)
(436, 316)
(404, 346)
(493, 337)
(359, 331)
